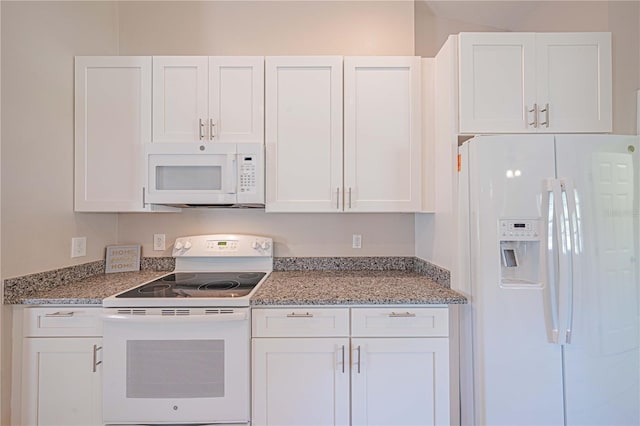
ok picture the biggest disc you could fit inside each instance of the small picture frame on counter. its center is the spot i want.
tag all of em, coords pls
(122, 258)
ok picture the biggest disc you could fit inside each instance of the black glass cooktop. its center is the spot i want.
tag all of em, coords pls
(198, 284)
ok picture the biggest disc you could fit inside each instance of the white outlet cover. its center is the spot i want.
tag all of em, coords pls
(78, 246)
(357, 241)
(159, 242)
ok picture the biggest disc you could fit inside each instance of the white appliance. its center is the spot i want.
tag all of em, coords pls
(550, 231)
(208, 174)
(176, 349)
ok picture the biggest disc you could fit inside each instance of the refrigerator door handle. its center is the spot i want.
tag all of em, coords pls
(573, 241)
(551, 289)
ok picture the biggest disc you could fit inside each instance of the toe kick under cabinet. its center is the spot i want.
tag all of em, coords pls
(350, 366)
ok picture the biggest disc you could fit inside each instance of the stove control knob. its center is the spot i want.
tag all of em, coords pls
(178, 245)
(264, 245)
(255, 245)
(187, 245)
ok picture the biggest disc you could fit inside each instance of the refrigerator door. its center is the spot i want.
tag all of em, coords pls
(601, 359)
(517, 372)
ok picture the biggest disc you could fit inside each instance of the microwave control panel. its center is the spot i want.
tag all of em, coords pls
(248, 169)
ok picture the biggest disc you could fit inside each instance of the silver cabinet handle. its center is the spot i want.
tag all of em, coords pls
(358, 361)
(211, 129)
(338, 198)
(401, 315)
(546, 116)
(96, 363)
(534, 110)
(349, 197)
(343, 367)
(59, 314)
(294, 315)
(200, 129)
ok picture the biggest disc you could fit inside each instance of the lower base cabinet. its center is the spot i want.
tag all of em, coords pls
(61, 371)
(334, 377)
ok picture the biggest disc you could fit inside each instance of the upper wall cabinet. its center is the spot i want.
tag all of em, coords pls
(112, 123)
(535, 82)
(309, 169)
(304, 134)
(208, 99)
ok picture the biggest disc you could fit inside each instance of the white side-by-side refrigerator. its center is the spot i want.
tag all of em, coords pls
(549, 257)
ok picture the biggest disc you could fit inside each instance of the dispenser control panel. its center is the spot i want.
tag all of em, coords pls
(519, 230)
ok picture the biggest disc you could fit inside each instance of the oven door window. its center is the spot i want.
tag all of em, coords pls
(175, 369)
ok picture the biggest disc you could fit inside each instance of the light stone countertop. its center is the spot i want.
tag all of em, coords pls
(352, 288)
(89, 291)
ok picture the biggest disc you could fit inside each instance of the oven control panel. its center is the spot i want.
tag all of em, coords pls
(223, 245)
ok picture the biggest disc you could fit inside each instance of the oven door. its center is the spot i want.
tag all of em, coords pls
(176, 365)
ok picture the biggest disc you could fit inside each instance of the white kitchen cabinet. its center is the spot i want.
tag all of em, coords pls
(309, 168)
(112, 124)
(535, 82)
(359, 366)
(304, 134)
(382, 134)
(208, 99)
(61, 371)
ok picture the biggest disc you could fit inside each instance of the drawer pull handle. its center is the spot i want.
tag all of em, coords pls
(96, 363)
(343, 367)
(60, 314)
(401, 315)
(294, 315)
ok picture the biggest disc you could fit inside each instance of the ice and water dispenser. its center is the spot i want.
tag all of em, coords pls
(519, 252)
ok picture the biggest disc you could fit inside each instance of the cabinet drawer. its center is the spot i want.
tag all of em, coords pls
(400, 322)
(62, 321)
(300, 322)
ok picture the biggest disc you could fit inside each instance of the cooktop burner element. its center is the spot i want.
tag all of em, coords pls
(198, 284)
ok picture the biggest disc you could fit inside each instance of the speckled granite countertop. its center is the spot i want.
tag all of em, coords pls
(90, 290)
(352, 288)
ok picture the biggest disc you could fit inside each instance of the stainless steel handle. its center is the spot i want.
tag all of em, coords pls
(534, 110)
(294, 315)
(200, 129)
(401, 315)
(574, 244)
(343, 367)
(550, 290)
(211, 129)
(144, 204)
(96, 363)
(359, 360)
(338, 198)
(546, 116)
(60, 314)
(349, 197)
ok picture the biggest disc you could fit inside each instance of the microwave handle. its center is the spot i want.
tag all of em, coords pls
(230, 175)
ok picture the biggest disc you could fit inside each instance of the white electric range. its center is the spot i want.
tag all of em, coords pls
(176, 349)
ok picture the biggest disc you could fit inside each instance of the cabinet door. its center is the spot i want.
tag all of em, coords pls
(400, 381)
(304, 134)
(236, 99)
(497, 82)
(112, 124)
(574, 81)
(382, 134)
(301, 381)
(61, 384)
(180, 97)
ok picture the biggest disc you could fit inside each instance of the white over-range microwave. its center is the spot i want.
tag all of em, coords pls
(216, 174)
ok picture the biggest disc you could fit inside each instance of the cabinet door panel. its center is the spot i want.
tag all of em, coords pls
(382, 134)
(300, 382)
(497, 82)
(180, 97)
(400, 381)
(112, 124)
(236, 99)
(303, 134)
(574, 79)
(59, 384)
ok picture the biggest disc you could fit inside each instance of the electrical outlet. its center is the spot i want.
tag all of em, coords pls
(78, 246)
(357, 241)
(159, 242)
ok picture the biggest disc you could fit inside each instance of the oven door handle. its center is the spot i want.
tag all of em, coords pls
(238, 316)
